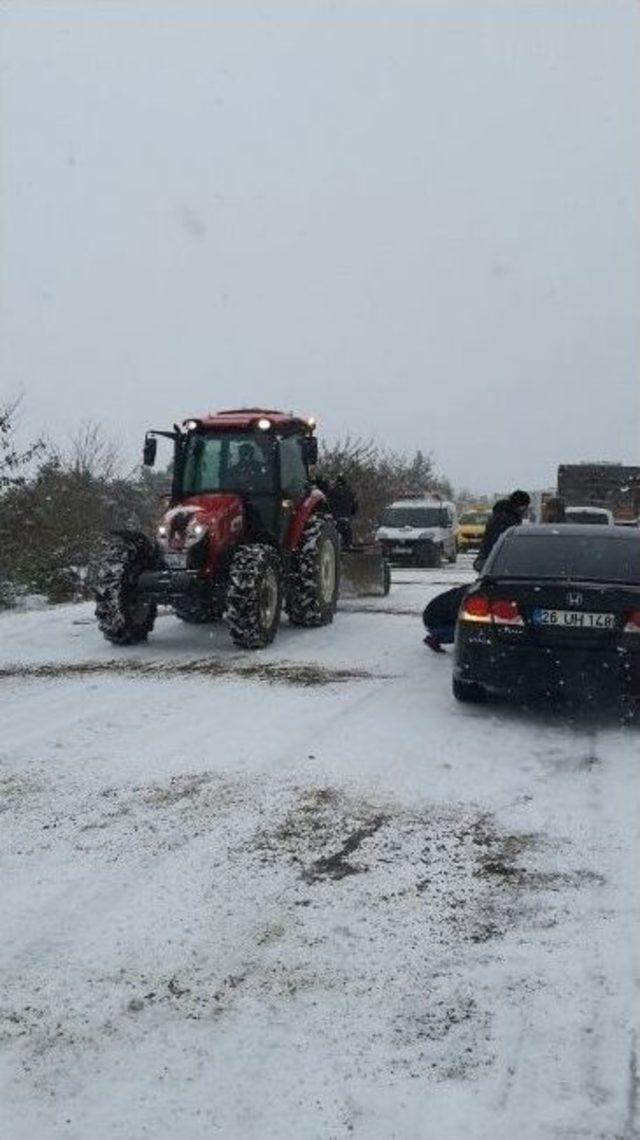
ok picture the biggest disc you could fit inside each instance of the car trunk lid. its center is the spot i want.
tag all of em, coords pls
(572, 614)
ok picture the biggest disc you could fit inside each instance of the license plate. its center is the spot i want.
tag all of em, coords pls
(175, 561)
(573, 619)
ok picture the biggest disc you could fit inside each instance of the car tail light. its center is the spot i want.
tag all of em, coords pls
(633, 622)
(506, 612)
(475, 608)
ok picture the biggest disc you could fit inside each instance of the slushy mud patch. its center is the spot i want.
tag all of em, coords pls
(387, 611)
(336, 866)
(478, 880)
(282, 673)
(299, 899)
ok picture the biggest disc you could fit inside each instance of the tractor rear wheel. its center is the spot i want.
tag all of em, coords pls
(122, 617)
(254, 595)
(315, 574)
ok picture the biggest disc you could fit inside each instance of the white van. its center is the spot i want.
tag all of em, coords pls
(422, 531)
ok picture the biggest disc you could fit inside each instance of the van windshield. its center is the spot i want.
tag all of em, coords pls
(414, 516)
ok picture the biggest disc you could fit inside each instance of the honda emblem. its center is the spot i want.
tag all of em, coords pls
(575, 599)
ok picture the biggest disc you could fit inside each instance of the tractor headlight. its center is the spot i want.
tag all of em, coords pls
(181, 530)
(196, 530)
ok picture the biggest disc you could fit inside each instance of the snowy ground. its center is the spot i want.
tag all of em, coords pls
(302, 894)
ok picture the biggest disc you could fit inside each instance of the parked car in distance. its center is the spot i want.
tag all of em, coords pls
(598, 516)
(471, 528)
(422, 531)
(555, 612)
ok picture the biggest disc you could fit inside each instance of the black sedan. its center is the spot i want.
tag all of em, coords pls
(556, 612)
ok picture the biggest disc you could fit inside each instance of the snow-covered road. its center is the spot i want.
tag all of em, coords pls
(303, 894)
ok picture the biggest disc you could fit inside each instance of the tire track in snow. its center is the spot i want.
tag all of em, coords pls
(284, 673)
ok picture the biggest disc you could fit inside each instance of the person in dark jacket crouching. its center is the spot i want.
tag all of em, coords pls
(441, 614)
(506, 513)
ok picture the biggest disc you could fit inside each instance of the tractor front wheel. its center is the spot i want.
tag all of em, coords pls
(122, 617)
(315, 574)
(254, 595)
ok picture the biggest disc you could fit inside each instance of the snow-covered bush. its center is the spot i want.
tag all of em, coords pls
(378, 476)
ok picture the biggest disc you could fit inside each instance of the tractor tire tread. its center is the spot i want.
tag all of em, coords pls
(304, 604)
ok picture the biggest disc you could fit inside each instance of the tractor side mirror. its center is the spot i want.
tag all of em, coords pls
(149, 451)
(310, 450)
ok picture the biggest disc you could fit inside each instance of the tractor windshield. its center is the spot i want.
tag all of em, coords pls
(228, 462)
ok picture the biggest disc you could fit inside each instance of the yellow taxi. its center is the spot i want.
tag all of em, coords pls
(471, 525)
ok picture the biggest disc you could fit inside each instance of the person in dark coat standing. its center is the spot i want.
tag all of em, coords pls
(506, 513)
(344, 505)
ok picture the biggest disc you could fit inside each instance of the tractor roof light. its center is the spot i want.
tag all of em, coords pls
(263, 423)
(311, 422)
(191, 425)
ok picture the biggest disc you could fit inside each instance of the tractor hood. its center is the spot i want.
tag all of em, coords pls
(221, 517)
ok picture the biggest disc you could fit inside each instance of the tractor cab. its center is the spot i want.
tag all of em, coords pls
(260, 458)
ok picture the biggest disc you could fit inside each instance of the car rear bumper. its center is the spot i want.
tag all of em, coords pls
(528, 670)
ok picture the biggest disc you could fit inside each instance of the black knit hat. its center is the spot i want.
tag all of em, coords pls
(519, 498)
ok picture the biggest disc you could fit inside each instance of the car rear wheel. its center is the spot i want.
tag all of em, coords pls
(468, 692)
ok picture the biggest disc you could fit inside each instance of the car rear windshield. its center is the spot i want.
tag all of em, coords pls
(413, 516)
(597, 517)
(474, 518)
(567, 556)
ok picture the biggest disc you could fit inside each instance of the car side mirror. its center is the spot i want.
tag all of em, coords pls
(310, 450)
(149, 451)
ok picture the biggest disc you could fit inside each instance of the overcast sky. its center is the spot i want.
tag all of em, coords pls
(418, 220)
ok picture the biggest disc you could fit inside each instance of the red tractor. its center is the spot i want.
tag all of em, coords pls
(245, 534)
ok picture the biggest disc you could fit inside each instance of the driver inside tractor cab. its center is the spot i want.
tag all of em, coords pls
(227, 463)
(249, 473)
